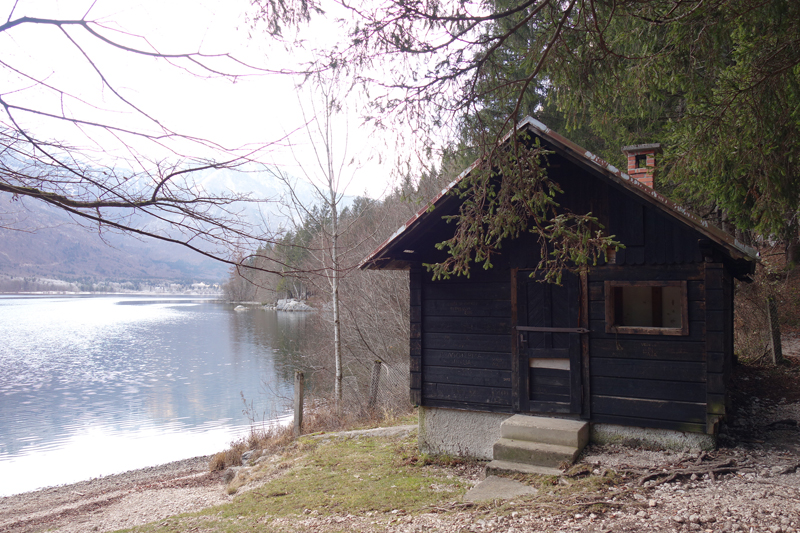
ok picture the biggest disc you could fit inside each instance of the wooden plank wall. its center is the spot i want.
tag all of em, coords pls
(466, 341)
(647, 380)
(728, 289)
(650, 237)
(719, 337)
(415, 333)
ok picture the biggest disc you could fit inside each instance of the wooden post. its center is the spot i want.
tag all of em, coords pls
(373, 384)
(299, 381)
(774, 330)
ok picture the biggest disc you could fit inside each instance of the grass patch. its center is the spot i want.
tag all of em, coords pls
(321, 483)
(321, 477)
(350, 476)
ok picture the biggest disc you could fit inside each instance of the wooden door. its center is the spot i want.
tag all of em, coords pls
(548, 335)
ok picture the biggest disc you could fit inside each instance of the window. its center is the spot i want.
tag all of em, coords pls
(647, 307)
(641, 161)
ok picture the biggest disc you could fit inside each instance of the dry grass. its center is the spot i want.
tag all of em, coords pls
(230, 457)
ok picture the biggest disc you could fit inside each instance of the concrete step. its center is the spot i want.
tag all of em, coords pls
(558, 431)
(499, 468)
(534, 453)
(497, 488)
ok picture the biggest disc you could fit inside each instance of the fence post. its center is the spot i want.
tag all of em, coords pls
(774, 330)
(299, 381)
(373, 384)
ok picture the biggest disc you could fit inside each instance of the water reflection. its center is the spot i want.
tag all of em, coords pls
(132, 378)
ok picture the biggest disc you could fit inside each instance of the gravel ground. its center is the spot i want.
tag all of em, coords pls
(755, 487)
(117, 501)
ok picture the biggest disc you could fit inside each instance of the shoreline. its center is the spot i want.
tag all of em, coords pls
(189, 463)
(116, 501)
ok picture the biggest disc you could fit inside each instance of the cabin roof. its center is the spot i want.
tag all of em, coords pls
(390, 254)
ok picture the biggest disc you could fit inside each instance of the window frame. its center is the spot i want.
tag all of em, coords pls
(610, 318)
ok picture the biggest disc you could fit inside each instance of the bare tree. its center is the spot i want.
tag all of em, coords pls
(373, 311)
(329, 172)
(94, 159)
(375, 321)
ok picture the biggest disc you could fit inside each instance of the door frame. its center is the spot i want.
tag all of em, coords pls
(519, 371)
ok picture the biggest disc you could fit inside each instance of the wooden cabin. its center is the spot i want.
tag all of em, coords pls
(641, 346)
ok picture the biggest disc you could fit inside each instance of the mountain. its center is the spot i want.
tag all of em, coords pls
(54, 246)
(47, 243)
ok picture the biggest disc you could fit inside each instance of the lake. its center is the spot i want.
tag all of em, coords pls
(91, 386)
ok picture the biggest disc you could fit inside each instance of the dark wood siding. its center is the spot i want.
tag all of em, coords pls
(415, 333)
(650, 236)
(719, 340)
(649, 380)
(461, 341)
(466, 341)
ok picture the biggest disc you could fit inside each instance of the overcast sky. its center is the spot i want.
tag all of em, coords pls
(253, 110)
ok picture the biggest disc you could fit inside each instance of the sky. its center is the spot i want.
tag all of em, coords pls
(248, 111)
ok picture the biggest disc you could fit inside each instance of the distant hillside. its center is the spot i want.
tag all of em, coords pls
(54, 246)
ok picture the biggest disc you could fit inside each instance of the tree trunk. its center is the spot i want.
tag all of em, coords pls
(793, 252)
(774, 331)
(337, 337)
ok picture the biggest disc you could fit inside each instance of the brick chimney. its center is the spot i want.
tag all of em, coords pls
(642, 161)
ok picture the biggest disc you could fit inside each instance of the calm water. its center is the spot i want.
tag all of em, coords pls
(91, 386)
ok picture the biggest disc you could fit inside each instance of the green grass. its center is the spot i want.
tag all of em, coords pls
(336, 477)
(350, 476)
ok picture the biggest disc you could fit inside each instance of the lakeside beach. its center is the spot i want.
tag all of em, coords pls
(116, 501)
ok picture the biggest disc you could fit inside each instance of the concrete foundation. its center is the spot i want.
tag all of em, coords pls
(459, 433)
(659, 439)
(474, 433)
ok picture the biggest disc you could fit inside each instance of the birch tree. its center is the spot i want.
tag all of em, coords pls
(330, 171)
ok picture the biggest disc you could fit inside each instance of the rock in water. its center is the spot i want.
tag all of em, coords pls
(292, 305)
